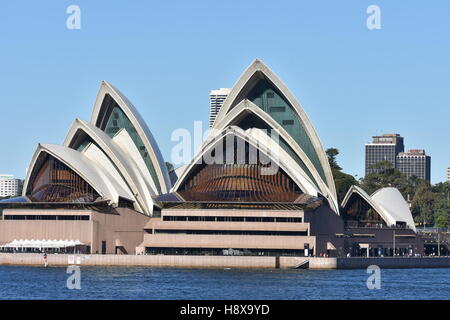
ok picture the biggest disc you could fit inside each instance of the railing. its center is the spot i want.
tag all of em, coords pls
(432, 230)
(357, 224)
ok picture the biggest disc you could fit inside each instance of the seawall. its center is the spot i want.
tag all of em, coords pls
(176, 261)
(253, 262)
(393, 262)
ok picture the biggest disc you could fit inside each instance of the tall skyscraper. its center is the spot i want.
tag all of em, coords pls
(9, 187)
(448, 174)
(385, 147)
(415, 163)
(216, 98)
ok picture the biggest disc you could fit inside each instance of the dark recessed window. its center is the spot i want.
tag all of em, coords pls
(270, 95)
(115, 123)
(288, 122)
(277, 109)
(116, 115)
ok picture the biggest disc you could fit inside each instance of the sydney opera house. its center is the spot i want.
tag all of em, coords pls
(260, 184)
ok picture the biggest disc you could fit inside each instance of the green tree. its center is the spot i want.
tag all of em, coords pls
(169, 166)
(342, 181)
(383, 166)
(385, 176)
(430, 205)
(423, 204)
(427, 202)
(20, 189)
(442, 222)
(441, 208)
(332, 153)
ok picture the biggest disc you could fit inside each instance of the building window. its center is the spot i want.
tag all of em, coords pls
(277, 109)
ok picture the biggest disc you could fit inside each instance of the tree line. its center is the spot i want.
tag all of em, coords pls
(429, 204)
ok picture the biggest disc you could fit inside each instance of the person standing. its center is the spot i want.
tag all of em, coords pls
(45, 259)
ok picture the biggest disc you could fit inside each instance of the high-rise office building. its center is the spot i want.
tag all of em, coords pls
(216, 98)
(383, 148)
(414, 163)
(448, 174)
(9, 187)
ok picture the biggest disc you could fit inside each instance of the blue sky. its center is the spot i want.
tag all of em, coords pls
(166, 57)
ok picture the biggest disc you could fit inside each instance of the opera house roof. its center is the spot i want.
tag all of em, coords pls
(114, 158)
(261, 111)
(388, 203)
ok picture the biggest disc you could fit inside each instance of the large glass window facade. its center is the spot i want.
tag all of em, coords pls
(271, 101)
(225, 252)
(243, 179)
(81, 141)
(113, 119)
(253, 121)
(359, 213)
(56, 182)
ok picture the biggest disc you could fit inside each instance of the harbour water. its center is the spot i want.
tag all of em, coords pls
(149, 283)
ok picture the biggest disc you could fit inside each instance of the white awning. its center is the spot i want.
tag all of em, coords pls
(42, 243)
